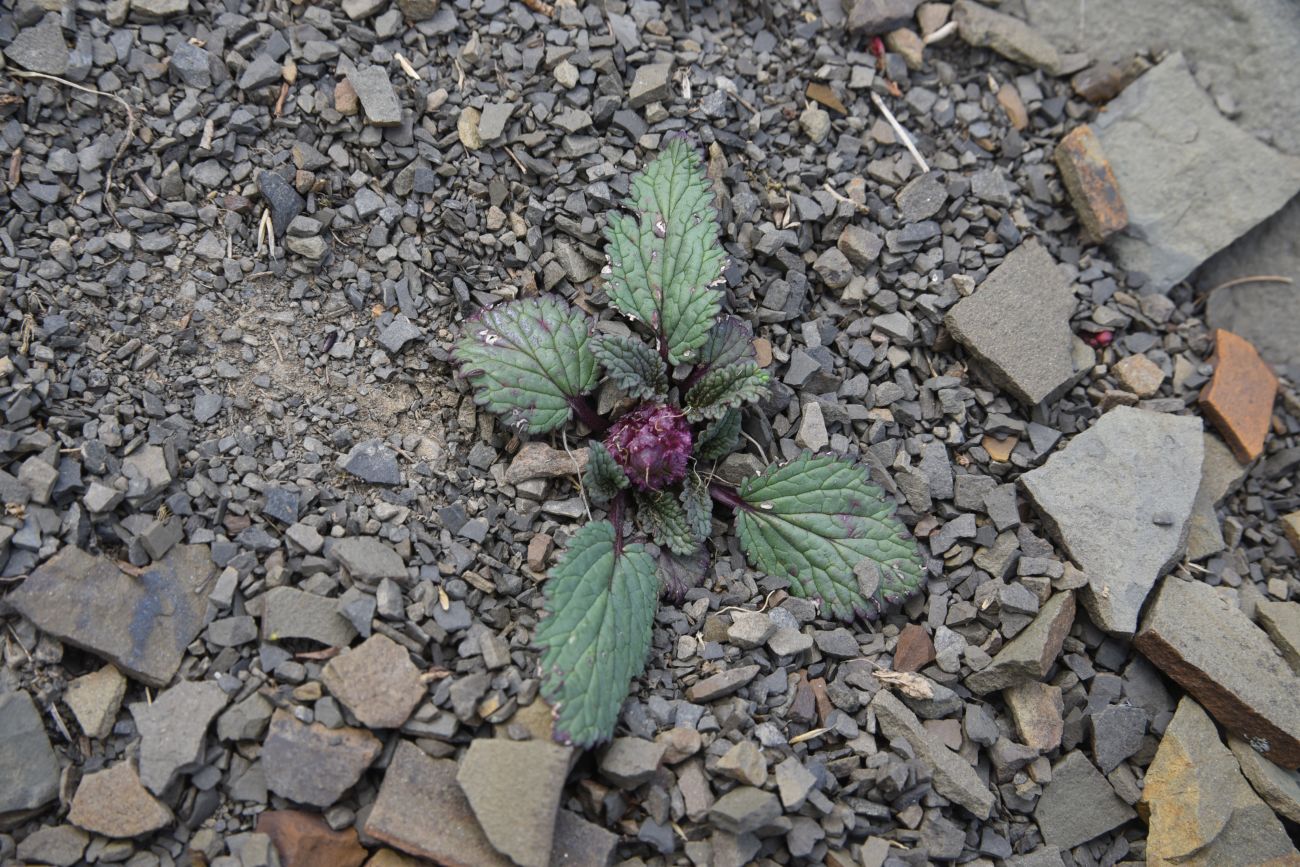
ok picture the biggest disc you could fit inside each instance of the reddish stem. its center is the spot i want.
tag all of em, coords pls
(587, 414)
(616, 518)
(728, 496)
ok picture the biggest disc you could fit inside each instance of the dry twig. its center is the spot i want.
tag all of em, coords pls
(901, 133)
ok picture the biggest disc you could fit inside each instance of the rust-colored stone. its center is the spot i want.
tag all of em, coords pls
(1088, 177)
(1239, 397)
(1104, 81)
(305, 840)
(345, 98)
(819, 92)
(914, 650)
(1013, 105)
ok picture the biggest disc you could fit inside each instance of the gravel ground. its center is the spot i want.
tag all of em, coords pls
(268, 579)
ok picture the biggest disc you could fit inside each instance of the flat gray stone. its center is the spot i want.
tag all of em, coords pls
(954, 777)
(1029, 655)
(368, 559)
(514, 789)
(398, 333)
(651, 83)
(1007, 35)
(1017, 325)
(744, 810)
(1220, 476)
(142, 624)
(29, 770)
(1281, 620)
(722, 684)
(58, 845)
(376, 681)
(374, 462)
(1266, 314)
(1116, 734)
(40, 48)
(1200, 808)
(376, 94)
(160, 8)
(876, 17)
(1173, 155)
(1234, 44)
(1078, 805)
(921, 198)
(1118, 498)
(1212, 650)
(629, 762)
(172, 729)
(1279, 787)
(492, 122)
(312, 764)
(292, 613)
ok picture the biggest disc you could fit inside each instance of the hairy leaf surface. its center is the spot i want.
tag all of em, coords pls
(698, 506)
(661, 515)
(720, 437)
(604, 477)
(730, 340)
(525, 360)
(665, 257)
(600, 606)
(635, 368)
(813, 520)
(724, 388)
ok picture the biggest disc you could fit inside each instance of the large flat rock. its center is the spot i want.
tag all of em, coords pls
(1017, 325)
(1235, 44)
(1202, 810)
(1078, 804)
(514, 789)
(29, 770)
(1228, 664)
(1119, 498)
(1193, 182)
(142, 624)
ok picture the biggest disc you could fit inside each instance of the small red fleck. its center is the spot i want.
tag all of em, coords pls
(877, 47)
(1101, 339)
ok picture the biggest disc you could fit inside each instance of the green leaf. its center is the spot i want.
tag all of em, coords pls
(724, 388)
(697, 506)
(526, 359)
(720, 438)
(730, 340)
(661, 515)
(604, 477)
(600, 606)
(813, 520)
(664, 260)
(679, 573)
(635, 368)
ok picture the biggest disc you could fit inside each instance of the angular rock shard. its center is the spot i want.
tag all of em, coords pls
(29, 770)
(1091, 184)
(1212, 650)
(1078, 804)
(142, 624)
(1118, 498)
(1239, 397)
(1017, 324)
(514, 789)
(1029, 655)
(1193, 181)
(1202, 811)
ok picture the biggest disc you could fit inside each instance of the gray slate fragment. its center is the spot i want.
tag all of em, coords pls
(398, 333)
(1193, 182)
(373, 462)
(40, 48)
(1119, 498)
(57, 845)
(1031, 653)
(652, 83)
(140, 624)
(1212, 650)
(954, 777)
(29, 770)
(261, 72)
(172, 730)
(874, 17)
(314, 765)
(514, 789)
(1078, 804)
(722, 684)
(1220, 475)
(1017, 324)
(368, 559)
(292, 613)
(160, 8)
(282, 199)
(745, 809)
(1279, 788)
(492, 122)
(1007, 35)
(629, 762)
(1281, 620)
(921, 198)
(1116, 734)
(376, 94)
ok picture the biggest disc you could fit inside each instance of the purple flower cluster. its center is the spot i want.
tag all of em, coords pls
(651, 443)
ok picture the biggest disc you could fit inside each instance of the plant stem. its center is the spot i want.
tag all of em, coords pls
(588, 415)
(728, 496)
(696, 374)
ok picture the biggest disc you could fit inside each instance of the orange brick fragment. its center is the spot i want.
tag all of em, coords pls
(1239, 397)
(1092, 186)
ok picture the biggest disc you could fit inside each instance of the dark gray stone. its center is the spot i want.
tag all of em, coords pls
(281, 198)
(376, 95)
(1078, 805)
(1117, 734)
(172, 729)
(29, 770)
(873, 17)
(373, 462)
(40, 48)
(368, 559)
